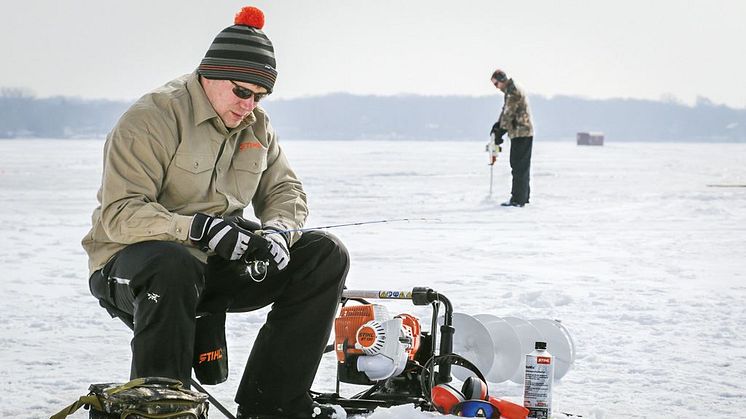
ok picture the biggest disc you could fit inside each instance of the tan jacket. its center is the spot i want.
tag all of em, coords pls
(516, 117)
(170, 156)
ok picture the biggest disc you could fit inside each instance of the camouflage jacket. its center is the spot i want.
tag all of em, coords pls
(515, 117)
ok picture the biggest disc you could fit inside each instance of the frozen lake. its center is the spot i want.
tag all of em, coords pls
(626, 244)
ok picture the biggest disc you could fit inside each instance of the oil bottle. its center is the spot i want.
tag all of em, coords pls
(537, 389)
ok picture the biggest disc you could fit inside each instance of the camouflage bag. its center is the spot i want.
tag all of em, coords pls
(141, 398)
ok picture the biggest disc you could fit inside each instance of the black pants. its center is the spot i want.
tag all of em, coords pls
(520, 163)
(164, 287)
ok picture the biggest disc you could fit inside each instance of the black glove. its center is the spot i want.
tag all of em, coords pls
(278, 248)
(498, 132)
(226, 239)
(271, 246)
(245, 224)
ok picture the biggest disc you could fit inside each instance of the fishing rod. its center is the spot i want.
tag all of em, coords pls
(257, 269)
(359, 223)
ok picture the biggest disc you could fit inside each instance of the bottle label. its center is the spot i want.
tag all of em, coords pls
(537, 394)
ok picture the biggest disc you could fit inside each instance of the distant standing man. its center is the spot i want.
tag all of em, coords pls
(168, 242)
(515, 120)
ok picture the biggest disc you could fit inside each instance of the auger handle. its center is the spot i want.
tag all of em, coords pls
(420, 296)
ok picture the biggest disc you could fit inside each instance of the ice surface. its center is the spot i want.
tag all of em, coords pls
(624, 243)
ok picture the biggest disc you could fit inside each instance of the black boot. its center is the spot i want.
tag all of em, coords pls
(511, 203)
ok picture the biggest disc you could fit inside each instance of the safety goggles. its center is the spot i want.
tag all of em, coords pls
(244, 93)
(475, 409)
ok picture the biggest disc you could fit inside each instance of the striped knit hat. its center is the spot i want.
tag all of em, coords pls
(242, 52)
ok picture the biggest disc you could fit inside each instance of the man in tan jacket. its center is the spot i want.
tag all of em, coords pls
(515, 120)
(167, 244)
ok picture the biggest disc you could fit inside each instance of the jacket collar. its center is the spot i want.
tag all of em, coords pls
(201, 106)
(203, 109)
(510, 86)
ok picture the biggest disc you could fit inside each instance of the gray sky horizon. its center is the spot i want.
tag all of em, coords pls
(655, 49)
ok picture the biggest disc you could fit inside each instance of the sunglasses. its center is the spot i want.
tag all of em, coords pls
(475, 409)
(244, 93)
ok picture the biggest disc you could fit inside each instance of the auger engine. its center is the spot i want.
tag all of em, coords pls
(373, 346)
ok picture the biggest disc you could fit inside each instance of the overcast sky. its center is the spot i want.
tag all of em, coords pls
(651, 49)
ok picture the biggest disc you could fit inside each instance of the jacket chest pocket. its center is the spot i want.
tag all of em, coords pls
(249, 167)
(194, 163)
(190, 176)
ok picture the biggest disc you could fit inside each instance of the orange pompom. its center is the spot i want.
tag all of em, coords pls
(250, 16)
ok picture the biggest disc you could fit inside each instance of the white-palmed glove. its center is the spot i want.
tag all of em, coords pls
(278, 248)
(225, 239)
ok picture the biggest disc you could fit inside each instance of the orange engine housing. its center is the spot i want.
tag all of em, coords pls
(351, 318)
(410, 323)
(345, 329)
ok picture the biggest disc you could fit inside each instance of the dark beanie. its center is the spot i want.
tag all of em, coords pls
(242, 52)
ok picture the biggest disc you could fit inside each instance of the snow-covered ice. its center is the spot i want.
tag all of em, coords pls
(626, 244)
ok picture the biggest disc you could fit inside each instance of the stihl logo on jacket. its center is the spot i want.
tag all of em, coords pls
(249, 146)
(211, 356)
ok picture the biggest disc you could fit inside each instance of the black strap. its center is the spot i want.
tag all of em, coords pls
(428, 371)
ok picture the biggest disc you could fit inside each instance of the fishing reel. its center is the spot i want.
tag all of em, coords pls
(256, 269)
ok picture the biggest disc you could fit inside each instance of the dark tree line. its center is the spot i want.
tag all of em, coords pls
(345, 116)
(22, 115)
